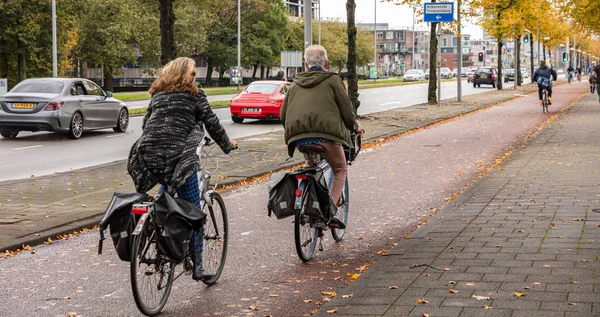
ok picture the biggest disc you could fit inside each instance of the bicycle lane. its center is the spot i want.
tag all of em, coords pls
(394, 187)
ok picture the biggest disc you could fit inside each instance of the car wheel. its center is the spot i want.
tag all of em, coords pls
(478, 85)
(9, 134)
(76, 126)
(237, 119)
(122, 121)
(474, 85)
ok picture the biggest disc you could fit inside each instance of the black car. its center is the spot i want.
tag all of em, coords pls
(486, 76)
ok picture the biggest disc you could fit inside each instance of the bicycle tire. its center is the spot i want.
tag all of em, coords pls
(303, 230)
(145, 242)
(338, 234)
(216, 239)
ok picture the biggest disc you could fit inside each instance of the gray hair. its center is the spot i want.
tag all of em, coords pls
(593, 62)
(315, 55)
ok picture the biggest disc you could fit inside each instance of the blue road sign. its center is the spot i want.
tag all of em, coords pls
(438, 12)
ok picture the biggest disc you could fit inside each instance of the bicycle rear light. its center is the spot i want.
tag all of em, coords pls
(298, 192)
(139, 209)
(300, 176)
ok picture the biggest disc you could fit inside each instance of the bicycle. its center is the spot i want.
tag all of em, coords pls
(147, 262)
(307, 229)
(544, 100)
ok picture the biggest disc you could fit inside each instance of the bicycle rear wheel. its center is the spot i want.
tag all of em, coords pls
(151, 273)
(342, 213)
(216, 235)
(305, 236)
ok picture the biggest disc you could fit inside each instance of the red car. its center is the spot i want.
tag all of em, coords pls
(260, 100)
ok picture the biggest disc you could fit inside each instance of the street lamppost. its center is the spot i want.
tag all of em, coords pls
(54, 54)
(239, 40)
(579, 58)
(544, 46)
(375, 41)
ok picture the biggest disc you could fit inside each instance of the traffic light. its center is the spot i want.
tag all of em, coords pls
(480, 56)
(526, 38)
(565, 57)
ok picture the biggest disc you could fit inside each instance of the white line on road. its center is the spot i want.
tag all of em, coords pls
(225, 121)
(391, 103)
(27, 147)
(116, 135)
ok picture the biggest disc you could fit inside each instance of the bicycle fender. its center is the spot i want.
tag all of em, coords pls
(140, 224)
(300, 199)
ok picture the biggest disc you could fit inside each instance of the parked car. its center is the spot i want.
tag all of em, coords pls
(470, 74)
(69, 105)
(427, 74)
(413, 74)
(509, 75)
(260, 100)
(446, 73)
(485, 76)
(455, 72)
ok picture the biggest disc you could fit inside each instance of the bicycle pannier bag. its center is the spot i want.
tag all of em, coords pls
(121, 221)
(176, 219)
(282, 195)
(543, 82)
(326, 202)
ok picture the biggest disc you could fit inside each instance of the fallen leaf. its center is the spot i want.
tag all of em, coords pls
(486, 307)
(571, 303)
(547, 265)
(518, 294)
(273, 295)
(347, 296)
(354, 276)
(333, 311)
(424, 315)
(451, 247)
(393, 287)
(307, 300)
(454, 291)
(477, 297)
(422, 301)
(446, 269)
(382, 251)
(536, 283)
(525, 287)
(470, 284)
(254, 308)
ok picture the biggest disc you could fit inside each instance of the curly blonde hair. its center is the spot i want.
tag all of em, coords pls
(179, 75)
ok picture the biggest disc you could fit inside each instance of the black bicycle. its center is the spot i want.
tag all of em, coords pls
(308, 230)
(153, 272)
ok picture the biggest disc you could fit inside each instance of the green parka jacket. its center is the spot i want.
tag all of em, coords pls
(317, 106)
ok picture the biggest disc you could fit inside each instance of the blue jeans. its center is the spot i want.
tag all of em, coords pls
(190, 191)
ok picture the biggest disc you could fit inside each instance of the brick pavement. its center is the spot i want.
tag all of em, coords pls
(31, 210)
(530, 228)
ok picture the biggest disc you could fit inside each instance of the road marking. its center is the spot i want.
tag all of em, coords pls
(116, 135)
(391, 103)
(27, 147)
(520, 95)
(225, 121)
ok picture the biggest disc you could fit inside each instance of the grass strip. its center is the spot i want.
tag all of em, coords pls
(214, 104)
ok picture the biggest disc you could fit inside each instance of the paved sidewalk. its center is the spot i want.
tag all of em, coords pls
(523, 241)
(34, 209)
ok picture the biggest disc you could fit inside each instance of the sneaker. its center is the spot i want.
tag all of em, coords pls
(549, 101)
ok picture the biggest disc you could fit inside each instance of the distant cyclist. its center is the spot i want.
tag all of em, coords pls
(593, 78)
(544, 76)
(596, 74)
(570, 72)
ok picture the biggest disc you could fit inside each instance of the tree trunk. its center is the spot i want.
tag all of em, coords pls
(268, 71)
(255, 69)
(433, 44)
(209, 71)
(167, 31)
(108, 79)
(518, 62)
(351, 64)
(22, 62)
(499, 81)
(532, 66)
(262, 72)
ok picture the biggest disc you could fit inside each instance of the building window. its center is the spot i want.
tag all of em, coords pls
(455, 41)
(400, 36)
(389, 35)
(445, 42)
(380, 35)
(402, 47)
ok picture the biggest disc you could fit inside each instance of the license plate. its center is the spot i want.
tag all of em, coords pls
(18, 105)
(483, 76)
(251, 110)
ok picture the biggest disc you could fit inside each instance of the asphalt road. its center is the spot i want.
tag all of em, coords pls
(392, 188)
(44, 153)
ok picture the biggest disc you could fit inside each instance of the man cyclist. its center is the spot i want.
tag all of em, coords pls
(317, 110)
(596, 74)
(544, 76)
(570, 72)
(593, 78)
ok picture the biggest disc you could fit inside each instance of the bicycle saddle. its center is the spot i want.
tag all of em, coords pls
(311, 148)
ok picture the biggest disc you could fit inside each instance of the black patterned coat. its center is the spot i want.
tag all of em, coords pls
(165, 153)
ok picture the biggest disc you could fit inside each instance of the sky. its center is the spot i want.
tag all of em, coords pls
(396, 16)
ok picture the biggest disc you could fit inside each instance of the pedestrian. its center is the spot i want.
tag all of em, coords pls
(596, 75)
(317, 110)
(172, 130)
(593, 78)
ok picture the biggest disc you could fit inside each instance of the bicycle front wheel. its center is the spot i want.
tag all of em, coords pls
(305, 236)
(342, 213)
(216, 233)
(151, 273)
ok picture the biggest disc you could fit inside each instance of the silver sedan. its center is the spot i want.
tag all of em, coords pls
(68, 105)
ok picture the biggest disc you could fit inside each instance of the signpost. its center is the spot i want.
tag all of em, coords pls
(373, 73)
(235, 76)
(290, 59)
(439, 12)
(3, 86)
